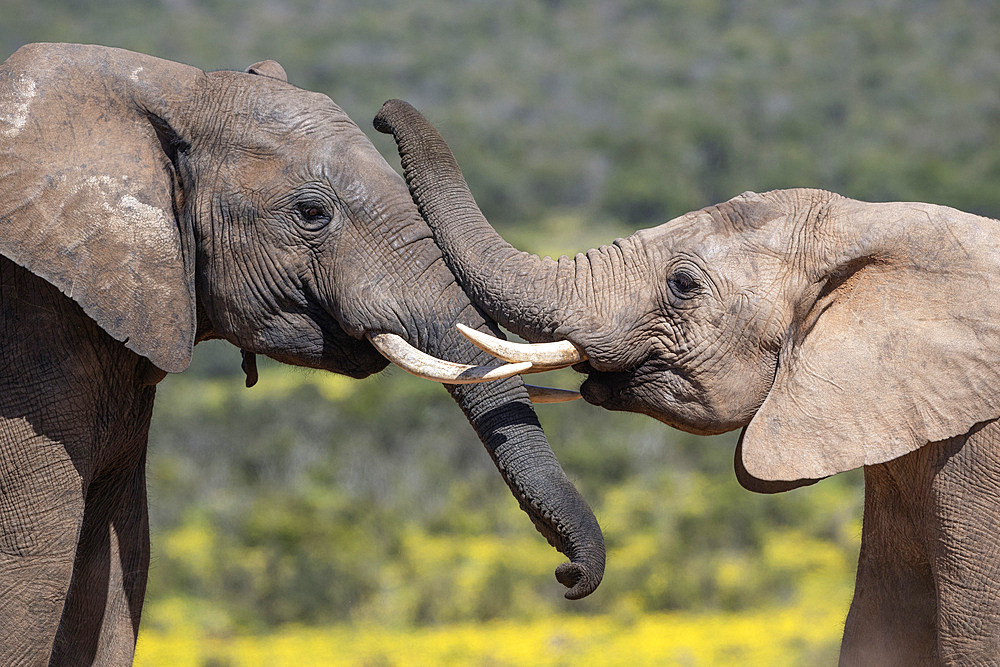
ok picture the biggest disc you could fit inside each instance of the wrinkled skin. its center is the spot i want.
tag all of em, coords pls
(835, 333)
(144, 206)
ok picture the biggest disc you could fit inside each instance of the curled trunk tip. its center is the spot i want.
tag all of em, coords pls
(580, 579)
(383, 121)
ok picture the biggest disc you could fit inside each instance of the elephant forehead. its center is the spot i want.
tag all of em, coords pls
(248, 106)
(363, 174)
(683, 234)
(707, 236)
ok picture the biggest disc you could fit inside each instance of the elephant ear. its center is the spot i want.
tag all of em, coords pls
(88, 190)
(901, 347)
(268, 68)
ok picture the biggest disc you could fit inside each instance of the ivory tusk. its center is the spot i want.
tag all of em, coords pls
(543, 356)
(421, 364)
(550, 395)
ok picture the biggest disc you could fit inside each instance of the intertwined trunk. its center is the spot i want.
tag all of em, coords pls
(429, 304)
(502, 416)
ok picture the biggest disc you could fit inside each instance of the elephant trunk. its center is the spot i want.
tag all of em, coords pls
(538, 298)
(501, 414)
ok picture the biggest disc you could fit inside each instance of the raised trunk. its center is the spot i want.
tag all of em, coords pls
(532, 296)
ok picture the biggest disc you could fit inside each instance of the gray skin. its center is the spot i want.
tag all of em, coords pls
(145, 206)
(835, 333)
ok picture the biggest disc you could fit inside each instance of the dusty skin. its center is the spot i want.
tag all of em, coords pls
(836, 333)
(145, 206)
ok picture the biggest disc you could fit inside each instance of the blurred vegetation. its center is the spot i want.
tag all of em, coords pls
(317, 501)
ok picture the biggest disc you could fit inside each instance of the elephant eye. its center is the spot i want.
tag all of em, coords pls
(313, 214)
(683, 284)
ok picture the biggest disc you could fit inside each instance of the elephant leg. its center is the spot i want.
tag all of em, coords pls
(101, 617)
(893, 616)
(74, 413)
(41, 510)
(926, 590)
(966, 494)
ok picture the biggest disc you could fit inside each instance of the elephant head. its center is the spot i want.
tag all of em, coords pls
(175, 205)
(836, 333)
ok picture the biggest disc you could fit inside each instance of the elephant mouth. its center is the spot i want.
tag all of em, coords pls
(601, 388)
(338, 353)
(365, 361)
(657, 393)
(633, 391)
(595, 392)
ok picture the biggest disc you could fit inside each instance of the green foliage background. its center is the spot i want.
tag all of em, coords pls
(314, 500)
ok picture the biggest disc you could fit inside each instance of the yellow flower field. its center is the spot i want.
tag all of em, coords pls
(801, 635)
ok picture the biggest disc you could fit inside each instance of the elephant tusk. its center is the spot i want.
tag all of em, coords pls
(543, 356)
(423, 365)
(550, 395)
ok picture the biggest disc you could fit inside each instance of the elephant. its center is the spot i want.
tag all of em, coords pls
(835, 333)
(147, 205)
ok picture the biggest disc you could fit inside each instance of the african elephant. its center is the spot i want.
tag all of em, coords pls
(835, 333)
(146, 205)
